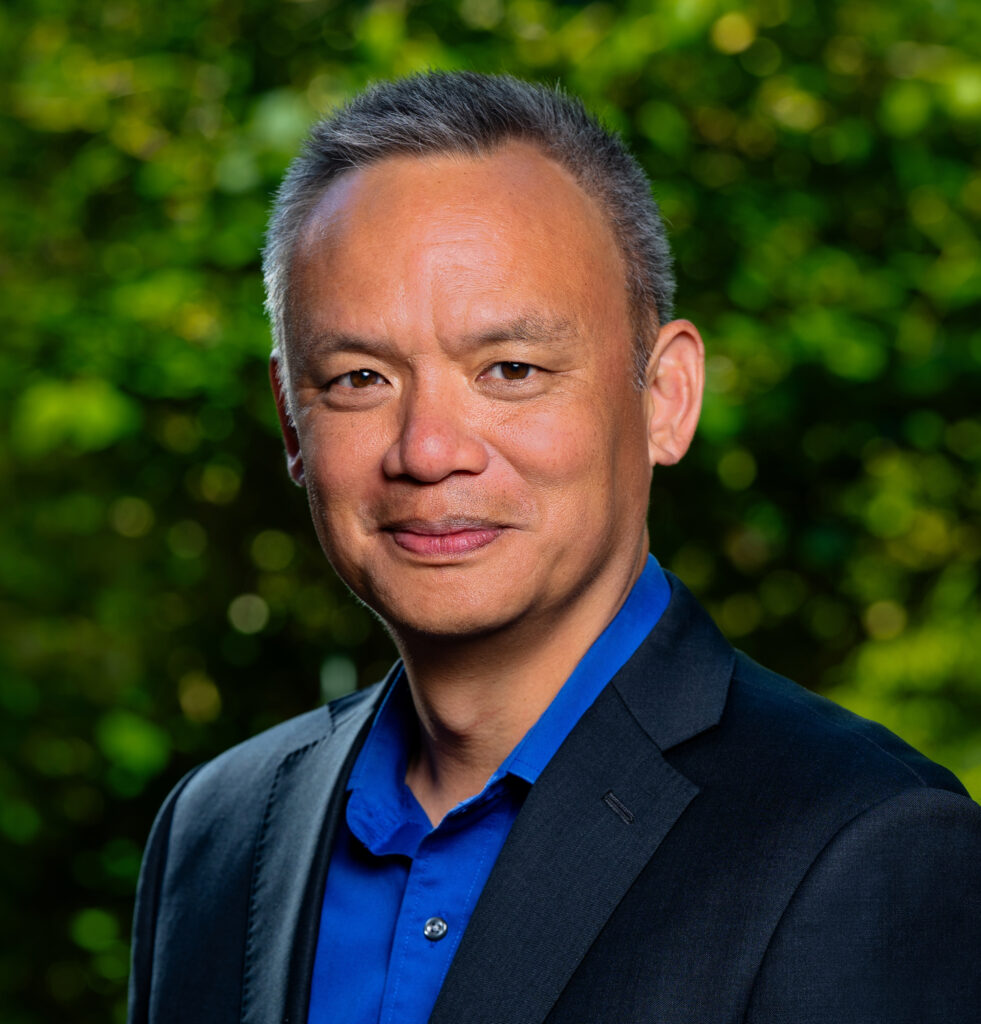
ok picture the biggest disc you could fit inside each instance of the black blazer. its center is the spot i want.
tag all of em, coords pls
(711, 844)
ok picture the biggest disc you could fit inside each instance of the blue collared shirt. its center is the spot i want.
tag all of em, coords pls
(399, 892)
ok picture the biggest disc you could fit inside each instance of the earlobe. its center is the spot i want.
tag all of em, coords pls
(675, 382)
(294, 457)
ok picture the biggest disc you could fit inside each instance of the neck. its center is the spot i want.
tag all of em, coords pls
(476, 697)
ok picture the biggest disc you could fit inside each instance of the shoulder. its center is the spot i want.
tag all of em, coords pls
(206, 827)
(852, 856)
(199, 865)
(223, 800)
(819, 744)
(882, 847)
(782, 771)
(234, 778)
(786, 775)
(738, 729)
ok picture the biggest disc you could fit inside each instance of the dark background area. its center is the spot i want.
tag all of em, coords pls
(161, 592)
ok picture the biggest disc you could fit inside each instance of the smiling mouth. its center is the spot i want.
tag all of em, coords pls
(443, 537)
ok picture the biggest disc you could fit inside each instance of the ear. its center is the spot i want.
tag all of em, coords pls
(675, 380)
(294, 458)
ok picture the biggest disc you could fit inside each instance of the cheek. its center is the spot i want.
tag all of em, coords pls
(585, 464)
(342, 460)
(559, 447)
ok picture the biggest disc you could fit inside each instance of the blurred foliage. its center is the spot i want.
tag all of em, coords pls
(162, 594)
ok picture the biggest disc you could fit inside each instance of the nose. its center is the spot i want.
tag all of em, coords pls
(438, 437)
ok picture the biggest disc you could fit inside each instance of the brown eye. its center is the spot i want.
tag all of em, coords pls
(359, 378)
(515, 371)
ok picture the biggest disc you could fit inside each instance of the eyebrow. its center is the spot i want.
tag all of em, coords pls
(326, 343)
(526, 328)
(529, 328)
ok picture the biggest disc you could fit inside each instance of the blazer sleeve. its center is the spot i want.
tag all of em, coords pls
(886, 925)
(147, 906)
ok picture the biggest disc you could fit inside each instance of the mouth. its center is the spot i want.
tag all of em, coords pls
(443, 537)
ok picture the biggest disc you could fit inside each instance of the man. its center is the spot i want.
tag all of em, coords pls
(571, 800)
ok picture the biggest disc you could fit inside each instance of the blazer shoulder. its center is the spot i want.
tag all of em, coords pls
(200, 867)
(233, 777)
(230, 790)
(808, 734)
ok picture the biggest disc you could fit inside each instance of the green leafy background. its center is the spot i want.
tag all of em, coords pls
(161, 593)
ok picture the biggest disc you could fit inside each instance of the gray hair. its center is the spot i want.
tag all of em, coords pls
(473, 114)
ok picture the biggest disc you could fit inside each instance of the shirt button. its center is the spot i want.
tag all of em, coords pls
(434, 929)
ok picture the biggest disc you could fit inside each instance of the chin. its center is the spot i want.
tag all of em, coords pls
(444, 630)
(441, 612)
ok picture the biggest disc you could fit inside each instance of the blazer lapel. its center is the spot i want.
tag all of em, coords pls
(290, 865)
(589, 825)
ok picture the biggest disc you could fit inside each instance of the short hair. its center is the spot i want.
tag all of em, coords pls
(474, 114)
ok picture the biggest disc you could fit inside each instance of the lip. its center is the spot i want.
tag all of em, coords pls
(444, 537)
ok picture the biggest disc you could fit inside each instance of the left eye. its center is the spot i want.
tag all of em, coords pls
(357, 379)
(511, 371)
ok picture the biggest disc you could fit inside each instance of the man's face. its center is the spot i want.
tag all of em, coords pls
(473, 445)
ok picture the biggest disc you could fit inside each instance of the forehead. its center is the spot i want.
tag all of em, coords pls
(454, 239)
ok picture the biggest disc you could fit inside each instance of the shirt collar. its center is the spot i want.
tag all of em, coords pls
(609, 653)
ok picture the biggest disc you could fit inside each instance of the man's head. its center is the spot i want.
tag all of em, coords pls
(459, 397)
(472, 114)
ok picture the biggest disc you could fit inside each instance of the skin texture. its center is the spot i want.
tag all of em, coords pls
(477, 458)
